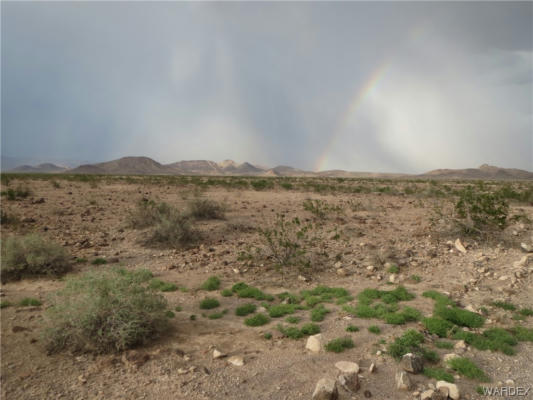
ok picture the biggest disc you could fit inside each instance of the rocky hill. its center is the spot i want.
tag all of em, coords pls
(483, 172)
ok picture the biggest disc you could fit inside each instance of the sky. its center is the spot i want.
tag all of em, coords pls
(382, 86)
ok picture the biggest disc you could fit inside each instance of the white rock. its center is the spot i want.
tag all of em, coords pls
(392, 278)
(509, 382)
(218, 354)
(460, 345)
(426, 395)
(448, 357)
(459, 246)
(314, 343)
(452, 388)
(372, 368)
(347, 367)
(402, 381)
(236, 360)
(326, 389)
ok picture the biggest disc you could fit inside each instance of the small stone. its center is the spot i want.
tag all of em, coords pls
(338, 264)
(236, 360)
(367, 393)
(378, 353)
(314, 343)
(525, 247)
(452, 388)
(412, 363)
(302, 278)
(326, 389)
(459, 246)
(82, 379)
(460, 345)
(509, 382)
(218, 354)
(372, 368)
(392, 278)
(426, 395)
(341, 272)
(448, 357)
(403, 382)
(371, 268)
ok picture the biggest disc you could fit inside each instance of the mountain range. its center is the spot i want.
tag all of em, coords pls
(147, 166)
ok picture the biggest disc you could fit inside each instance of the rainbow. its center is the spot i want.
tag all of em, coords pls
(354, 104)
(358, 98)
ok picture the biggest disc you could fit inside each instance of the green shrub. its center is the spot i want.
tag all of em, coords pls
(504, 305)
(148, 213)
(416, 278)
(249, 292)
(393, 269)
(292, 320)
(439, 374)
(217, 315)
(310, 329)
(523, 334)
(466, 367)
(438, 297)
(245, 309)
(458, 316)
(290, 332)
(209, 303)
(480, 211)
(257, 320)
(212, 283)
(104, 311)
(267, 335)
(32, 255)
(173, 230)
(206, 209)
(226, 293)
(352, 328)
(158, 284)
(99, 261)
(374, 329)
(442, 344)
(526, 312)
(409, 342)
(169, 314)
(29, 301)
(5, 303)
(280, 310)
(340, 344)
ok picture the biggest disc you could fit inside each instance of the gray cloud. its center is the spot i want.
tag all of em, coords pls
(292, 83)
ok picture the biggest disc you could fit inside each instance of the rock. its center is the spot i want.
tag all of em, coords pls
(236, 360)
(427, 395)
(392, 278)
(459, 246)
(326, 389)
(412, 363)
(372, 368)
(341, 272)
(338, 265)
(314, 343)
(348, 377)
(448, 357)
(302, 278)
(403, 382)
(452, 388)
(218, 354)
(460, 345)
(367, 394)
(509, 382)
(527, 248)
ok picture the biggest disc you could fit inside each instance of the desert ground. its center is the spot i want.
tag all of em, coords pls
(381, 235)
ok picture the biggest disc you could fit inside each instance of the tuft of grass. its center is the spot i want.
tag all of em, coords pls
(504, 305)
(226, 293)
(169, 314)
(209, 303)
(291, 332)
(442, 344)
(104, 311)
(212, 283)
(393, 269)
(158, 284)
(178, 308)
(293, 320)
(173, 230)
(99, 261)
(526, 312)
(439, 374)
(29, 301)
(310, 329)
(249, 292)
(407, 343)
(458, 316)
(257, 320)
(340, 344)
(352, 328)
(374, 329)
(81, 260)
(319, 313)
(522, 334)
(280, 310)
(416, 278)
(437, 326)
(31, 255)
(245, 309)
(495, 339)
(192, 317)
(5, 303)
(267, 335)
(438, 297)
(217, 315)
(468, 368)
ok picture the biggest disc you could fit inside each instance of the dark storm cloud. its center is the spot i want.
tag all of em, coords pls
(271, 82)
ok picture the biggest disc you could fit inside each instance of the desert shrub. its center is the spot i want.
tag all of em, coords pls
(292, 319)
(32, 255)
(148, 213)
(437, 326)
(212, 283)
(374, 329)
(280, 310)
(340, 344)
(158, 284)
(206, 209)
(104, 311)
(319, 313)
(5, 303)
(261, 184)
(209, 303)
(480, 211)
(285, 242)
(99, 261)
(226, 293)
(466, 367)
(21, 192)
(248, 292)
(439, 374)
(458, 316)
(174, 230)
(352, 328)
(267, 335)
(310, 329)
(409, 342)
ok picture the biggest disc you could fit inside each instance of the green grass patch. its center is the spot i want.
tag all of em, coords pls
(267, 335)
(280, 310)
(158, 284)
(374, 329)
(293, 320)
(5, 303)
(443, 344)
(212, 283)
(245, 309)
(439, 374)
(29, 301)
(458, 316)
(257, 320)
(99, 261)
(169, 314)
(217, 315)
(468, 368)
(495, 339)
(352, 328)
(209, 303)
(438, 297)
(226, 293)
(324, 294)
(416, 278)
(340, 344)
(393, 269)
(310, 329)
(522, 334)
(526, 312)
(505, 305)
(249, 292)
(409, 342)
(437, 326)
(319, 313)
